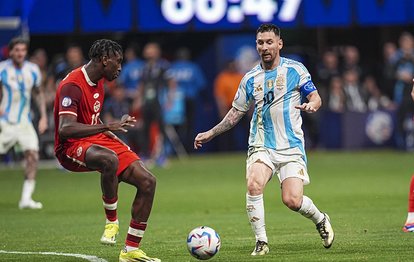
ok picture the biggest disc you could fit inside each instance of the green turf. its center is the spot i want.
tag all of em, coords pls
(365, 194)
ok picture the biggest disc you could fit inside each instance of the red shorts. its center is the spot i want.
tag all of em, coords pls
(71, 155)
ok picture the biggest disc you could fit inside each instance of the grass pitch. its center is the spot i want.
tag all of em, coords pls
(364, 193)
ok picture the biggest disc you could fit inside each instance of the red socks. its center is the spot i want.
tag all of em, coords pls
(136, 231)
(110, 206)
(411, 196)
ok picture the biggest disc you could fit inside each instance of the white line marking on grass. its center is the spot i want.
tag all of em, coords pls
(87, 257)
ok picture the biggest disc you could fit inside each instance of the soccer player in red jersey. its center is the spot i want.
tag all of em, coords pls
(84, 143)
(409, 222)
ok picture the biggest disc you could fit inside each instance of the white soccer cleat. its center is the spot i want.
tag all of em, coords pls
(30, 204)
(325, 231)
(110, 233)
(261, 248)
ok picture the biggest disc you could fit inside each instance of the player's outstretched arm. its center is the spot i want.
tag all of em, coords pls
(230, 120)
(313, 104)
(70, 128)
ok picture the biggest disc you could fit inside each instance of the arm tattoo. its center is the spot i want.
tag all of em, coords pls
(229, 121)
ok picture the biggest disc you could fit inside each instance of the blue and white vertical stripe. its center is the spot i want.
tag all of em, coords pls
(17, 85)
(276, 123)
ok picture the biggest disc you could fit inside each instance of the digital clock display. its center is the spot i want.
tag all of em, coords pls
(212, 14)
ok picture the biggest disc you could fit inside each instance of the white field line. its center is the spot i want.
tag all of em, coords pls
(86, 257)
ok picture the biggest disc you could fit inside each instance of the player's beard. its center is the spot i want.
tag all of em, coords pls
(268, 61)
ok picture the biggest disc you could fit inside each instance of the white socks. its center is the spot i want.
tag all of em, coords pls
(255, 212)
(410, 218)
(28, 189)
(309, 210)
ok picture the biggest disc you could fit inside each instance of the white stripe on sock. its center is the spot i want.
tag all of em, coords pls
(136, 232)
(110, 206)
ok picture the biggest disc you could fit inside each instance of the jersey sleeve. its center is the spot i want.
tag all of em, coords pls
(2, 66)
(69, 99)
(305, 83)
(37, 76)
(244, 95)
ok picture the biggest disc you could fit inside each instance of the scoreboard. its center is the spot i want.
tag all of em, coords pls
(50, 16)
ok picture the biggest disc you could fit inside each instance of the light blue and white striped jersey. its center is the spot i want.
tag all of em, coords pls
(17, 85)
(276, 123)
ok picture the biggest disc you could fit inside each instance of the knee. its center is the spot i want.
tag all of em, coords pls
(254, 188)
(149, 183)
(109, 161)
(32, 157)
(146, 183)
(292, 202)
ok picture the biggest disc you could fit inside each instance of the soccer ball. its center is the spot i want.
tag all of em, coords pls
(203, 242)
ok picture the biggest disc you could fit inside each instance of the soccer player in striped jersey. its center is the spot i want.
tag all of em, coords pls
(19, 79)
(276, 87)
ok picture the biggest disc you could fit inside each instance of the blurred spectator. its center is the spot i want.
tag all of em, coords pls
(404, 66)
(131, 71)
(46, 140)
(355, 101)
(336, 98)
(173, 104)
(191, 81)
(387, 77)
(375, 99)
(402, 93)
(154, 80)
(326, 70)
(115, 107)
(73, 59)
(225, 88)
(351, 60)
(39, 57)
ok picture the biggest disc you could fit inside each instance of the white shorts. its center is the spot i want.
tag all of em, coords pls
(22, 134)
(284, 165)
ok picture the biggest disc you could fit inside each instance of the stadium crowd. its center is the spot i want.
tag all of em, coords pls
(162, 94)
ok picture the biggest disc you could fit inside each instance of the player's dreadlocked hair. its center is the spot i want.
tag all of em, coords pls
(268, 28)
(103, 47)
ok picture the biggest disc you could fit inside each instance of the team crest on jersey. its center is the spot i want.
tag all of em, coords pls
(66, 101)
(269, 83)
(280, 82)
(96, 106)
(96, 95)
(79, 151)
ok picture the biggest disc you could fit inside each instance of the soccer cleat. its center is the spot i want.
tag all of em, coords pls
(408, 227)
(136, 255)
(110, 233)
(31, 204)
(325, 231)
(262, 248)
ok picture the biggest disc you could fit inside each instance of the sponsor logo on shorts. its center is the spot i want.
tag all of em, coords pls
(67, 101)
(96, 106)
(96, 95)
(79, 151)
(301, 172)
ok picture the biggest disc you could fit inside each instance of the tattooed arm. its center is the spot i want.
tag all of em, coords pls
(229, 121)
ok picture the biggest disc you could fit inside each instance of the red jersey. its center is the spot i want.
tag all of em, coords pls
(77, 95)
